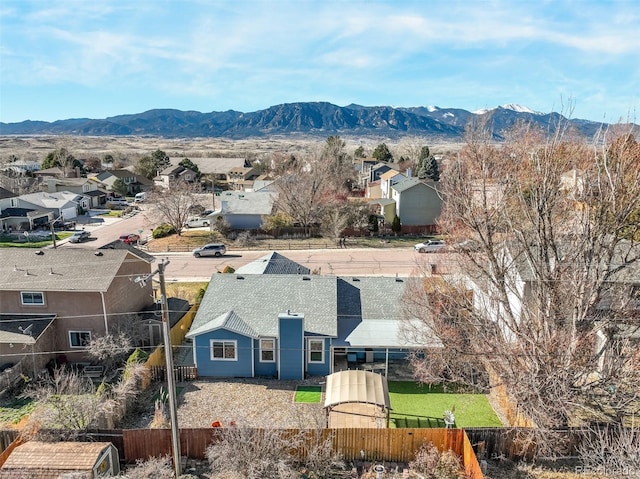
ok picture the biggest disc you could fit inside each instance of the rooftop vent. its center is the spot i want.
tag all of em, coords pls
(355, 279)
(239, 277)
(39, 252)
(97, 253)
(306, 278)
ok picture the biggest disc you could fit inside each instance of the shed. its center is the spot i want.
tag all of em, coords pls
(48, 460)
(357, 399)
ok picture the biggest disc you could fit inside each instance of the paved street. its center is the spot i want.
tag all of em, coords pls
(184, 267)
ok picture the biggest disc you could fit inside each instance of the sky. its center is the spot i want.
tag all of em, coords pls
(62, 59)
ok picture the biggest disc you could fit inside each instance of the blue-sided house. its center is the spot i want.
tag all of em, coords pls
(291, 326)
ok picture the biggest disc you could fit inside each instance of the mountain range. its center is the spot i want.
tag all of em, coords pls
(305, 118)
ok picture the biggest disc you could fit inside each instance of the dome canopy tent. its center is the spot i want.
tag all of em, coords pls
(345, 389)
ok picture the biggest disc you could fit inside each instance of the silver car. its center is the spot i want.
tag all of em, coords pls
(431, 246)
(79, 236)
(211, 249)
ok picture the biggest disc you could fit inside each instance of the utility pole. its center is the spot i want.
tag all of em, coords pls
(171, 382)
(171, 386)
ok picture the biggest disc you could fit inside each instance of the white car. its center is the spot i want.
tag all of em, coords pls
(197, 222)
(431, 246)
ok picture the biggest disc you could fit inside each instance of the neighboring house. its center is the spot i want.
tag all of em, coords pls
(34, 210)
(174, 174)
(216, 168)
(5, 193)
(86, 291)
(373, 190)
(385, 209)
(244, 210)
(88, 188)
(418, 203)
(293, 326)
(389, 179)
(50, 460)
(135, 183)
(376, 171)
(242, 178)
(21, 167)
(273, 263)
(264, 183)
(53, 172)
(623, 295)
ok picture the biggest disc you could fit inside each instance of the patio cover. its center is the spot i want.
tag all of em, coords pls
(356, 386)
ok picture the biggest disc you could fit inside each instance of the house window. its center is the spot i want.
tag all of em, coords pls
(79, 339)
(267, 350)
(316, 351)
(32, 298)
(224, 350)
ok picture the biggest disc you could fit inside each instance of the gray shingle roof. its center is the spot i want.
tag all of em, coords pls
(273, 263)
(247, 202)
(62, 269)
(324, 300)
(258, 299)
(230, 321)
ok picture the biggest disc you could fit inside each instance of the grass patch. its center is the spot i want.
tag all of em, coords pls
(416, 405)
(12, 413)
(6, 242)
(191, 239)
(188, 291)
(112, 213)
(308, 394)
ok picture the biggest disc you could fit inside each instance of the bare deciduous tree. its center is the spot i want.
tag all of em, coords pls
(544, 288)
(174, 205)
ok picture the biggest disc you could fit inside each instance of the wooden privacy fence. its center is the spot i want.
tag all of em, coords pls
(398, 445)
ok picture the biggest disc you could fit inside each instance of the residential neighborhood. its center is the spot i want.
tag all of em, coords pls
(446, 345)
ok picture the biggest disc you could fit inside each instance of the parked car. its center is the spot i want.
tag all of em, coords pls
(197, 222)
(211, 249)
(431, 246)
(117, 203)
(79, 236)
(131, 238)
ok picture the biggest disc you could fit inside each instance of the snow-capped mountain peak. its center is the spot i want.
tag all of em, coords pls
(432, 108)
(509, 106)
(519, 108)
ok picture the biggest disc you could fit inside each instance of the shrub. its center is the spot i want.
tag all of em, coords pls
(138, 356)
(163, 230)
(432, 464)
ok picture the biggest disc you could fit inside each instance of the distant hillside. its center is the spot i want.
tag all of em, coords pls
(309, 118)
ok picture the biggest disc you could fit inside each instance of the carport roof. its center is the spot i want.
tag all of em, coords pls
(356, 386)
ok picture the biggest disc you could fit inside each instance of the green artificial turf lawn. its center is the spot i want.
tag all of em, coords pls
(308, 394)
(410, 400)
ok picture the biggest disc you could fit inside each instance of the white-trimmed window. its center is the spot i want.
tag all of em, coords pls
(268, 350)
(79, 339)
(224, 350)
(316, 350)
(32, 298)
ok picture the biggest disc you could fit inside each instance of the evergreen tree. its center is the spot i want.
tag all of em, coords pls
(427, 167)
(187, 163)
(382, 153)
(396, 226)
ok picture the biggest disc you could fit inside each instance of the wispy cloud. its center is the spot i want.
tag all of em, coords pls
(241, 54)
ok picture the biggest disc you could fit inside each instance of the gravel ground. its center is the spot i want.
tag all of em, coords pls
(248, 402)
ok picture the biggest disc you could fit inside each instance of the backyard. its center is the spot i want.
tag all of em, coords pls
(419, 405)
